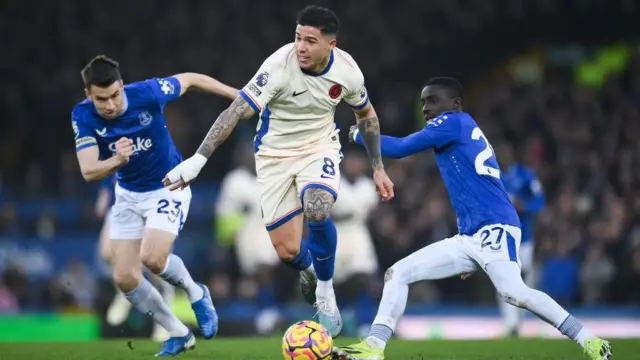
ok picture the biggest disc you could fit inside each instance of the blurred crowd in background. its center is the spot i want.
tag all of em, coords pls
(579, 135)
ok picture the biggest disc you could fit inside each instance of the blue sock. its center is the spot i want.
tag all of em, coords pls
(302, 261)
(323, 241)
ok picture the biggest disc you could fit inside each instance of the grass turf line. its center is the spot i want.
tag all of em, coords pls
(269, 349)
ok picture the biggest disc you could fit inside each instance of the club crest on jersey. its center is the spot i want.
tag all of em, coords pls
(262, 78)
(145, 118)
(335, 91)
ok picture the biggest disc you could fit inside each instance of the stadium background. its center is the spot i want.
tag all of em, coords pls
(558, 80)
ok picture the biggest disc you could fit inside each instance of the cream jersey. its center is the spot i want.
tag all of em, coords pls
(297, 106)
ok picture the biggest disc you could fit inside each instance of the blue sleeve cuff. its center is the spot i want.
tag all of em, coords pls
(248, 99)
(84, 146)
(362, 106)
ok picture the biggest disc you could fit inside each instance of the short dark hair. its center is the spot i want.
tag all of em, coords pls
(321, 18)
(101, 71)
(453, 86)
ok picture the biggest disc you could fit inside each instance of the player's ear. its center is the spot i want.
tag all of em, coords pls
(457, 103)
(87, 93)
(333, 42)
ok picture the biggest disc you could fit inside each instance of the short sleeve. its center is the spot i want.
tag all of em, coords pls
(84, 135)
(356, 93)
(266, 84)
(164, 89)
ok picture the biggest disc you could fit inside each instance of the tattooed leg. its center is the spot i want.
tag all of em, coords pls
(323, 239)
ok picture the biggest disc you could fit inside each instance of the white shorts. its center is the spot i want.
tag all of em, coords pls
(159, 209)
(355, 253)
(493, 242)
(284, 180)
(461, 254)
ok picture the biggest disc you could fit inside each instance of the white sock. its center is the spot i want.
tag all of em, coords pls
(325, 288)
(379, 336)
(168, 292)
(147, 300)
(176, 274)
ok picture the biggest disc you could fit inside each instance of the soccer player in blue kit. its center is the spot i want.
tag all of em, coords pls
(122, 129)
(525, 191)
(489, 228)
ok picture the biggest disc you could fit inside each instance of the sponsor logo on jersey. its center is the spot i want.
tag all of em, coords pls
(85, 140)
(262, 79)
(145, 118)
(139, 144)
(166, 87)
(254, 89)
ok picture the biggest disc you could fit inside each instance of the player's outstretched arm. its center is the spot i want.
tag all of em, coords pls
(394, 147)
(205, 83)
(183, 174)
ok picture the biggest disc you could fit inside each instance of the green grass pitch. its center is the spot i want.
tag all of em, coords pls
(269, 349)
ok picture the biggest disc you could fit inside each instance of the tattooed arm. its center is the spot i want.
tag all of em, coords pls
(369, 128)
(224, 125)
(183, 174)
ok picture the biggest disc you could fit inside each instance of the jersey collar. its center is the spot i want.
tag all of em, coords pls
(320, 73)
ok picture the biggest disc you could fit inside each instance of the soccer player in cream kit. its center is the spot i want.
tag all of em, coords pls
(122, 129)
(297, 149)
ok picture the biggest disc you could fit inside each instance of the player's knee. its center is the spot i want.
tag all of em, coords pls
(397, 273)
(317, 204)
(126, 280)
(154, 262)
(516, 295)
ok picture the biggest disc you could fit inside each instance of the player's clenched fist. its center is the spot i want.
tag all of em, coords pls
(384, 186)
(183, 174)
(124, 149)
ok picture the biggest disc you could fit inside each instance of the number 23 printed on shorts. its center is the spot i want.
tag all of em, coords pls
(173, 212)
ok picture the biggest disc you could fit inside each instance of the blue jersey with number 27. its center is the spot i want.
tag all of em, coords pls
(468, 167)
(144, 123)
